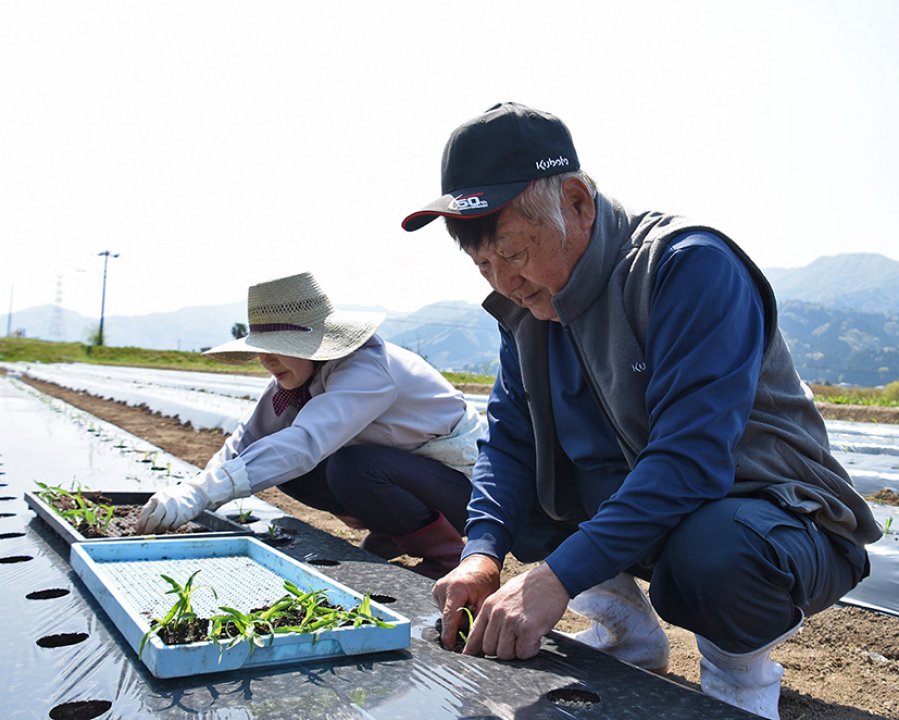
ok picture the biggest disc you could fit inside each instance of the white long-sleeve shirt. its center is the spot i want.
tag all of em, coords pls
(379, 395)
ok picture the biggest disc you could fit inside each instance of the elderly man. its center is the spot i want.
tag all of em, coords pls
(646, 420)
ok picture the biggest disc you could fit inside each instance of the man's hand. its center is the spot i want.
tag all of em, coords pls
(171, 507)
(469, 585)
(512, 621)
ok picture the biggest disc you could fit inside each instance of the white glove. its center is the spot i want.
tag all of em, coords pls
(175, 505)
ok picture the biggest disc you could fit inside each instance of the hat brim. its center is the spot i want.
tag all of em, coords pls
(467, 203)
(341, 333)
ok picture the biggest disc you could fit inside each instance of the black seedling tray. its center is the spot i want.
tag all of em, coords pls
(207, 524)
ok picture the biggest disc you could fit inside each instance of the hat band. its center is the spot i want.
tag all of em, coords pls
(278, 327)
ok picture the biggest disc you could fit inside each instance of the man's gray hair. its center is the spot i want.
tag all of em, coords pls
(541, 201)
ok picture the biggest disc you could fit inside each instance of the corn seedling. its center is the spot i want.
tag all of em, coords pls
(296, 612)
(181, 613)
(243, 516)
(84, 512)
(252, 627)
(463, 634)
(888, 526)
(89, 514)
(50, 493)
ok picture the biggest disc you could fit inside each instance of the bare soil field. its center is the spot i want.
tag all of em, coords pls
(842, 665)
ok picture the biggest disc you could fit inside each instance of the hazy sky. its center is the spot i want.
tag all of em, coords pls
(217, 144)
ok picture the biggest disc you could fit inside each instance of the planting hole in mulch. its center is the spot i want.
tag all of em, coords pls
(243, 518)
(7, 536)
(323, 562)
(3, 515)
(572, 697)
(80, 710)
(7, 497)
(15, 559)
(383, 599)
(48, 594)
(276, 540)
(62, 640)
(464, 627)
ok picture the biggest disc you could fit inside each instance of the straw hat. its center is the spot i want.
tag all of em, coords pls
(293, 316)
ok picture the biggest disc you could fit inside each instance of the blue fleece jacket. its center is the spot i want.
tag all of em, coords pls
(688, 342)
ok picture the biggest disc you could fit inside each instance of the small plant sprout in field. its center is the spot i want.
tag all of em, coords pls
(888, 526)
(243, 516)
(466, 624)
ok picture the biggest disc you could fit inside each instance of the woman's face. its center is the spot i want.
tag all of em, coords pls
(290, 372)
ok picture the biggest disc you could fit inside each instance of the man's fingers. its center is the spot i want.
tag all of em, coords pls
(527, 646)
(474, 644)
(451, 618)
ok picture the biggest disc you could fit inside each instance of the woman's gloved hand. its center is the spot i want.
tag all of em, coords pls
(175, 505)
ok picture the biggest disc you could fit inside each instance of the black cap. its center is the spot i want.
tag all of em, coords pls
(491, 158)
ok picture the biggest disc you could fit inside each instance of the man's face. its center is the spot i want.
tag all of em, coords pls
(526, 262)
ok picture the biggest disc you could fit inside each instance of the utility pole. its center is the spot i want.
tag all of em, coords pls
(106, 254)
(56, 333)
(9, 315)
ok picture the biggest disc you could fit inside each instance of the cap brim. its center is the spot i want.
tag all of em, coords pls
(467, 203)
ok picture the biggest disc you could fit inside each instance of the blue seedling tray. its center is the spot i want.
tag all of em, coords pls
(246, 574)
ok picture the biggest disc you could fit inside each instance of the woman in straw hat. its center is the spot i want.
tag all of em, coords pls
(349, 424)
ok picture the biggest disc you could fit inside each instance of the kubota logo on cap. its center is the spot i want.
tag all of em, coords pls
(551, 163)
(468, 202)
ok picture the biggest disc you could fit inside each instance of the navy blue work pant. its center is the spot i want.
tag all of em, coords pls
(393, 492)
(738, 571)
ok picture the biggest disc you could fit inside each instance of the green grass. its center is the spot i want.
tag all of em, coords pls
(43, 351)
(463, 378)
(887, 396)
(28, 350)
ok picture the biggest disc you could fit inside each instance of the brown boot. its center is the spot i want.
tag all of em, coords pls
(381, 545)
(438, 543)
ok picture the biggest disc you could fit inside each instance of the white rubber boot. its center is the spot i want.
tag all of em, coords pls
(750, 681)
(624, 624)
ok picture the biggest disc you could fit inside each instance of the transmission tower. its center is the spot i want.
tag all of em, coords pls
(56, 331)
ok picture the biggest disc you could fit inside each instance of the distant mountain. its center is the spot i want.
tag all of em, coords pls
(840, 317)
(450, 335)
(190, 328)
(834, 345)
(839, 314)
(859, 281)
